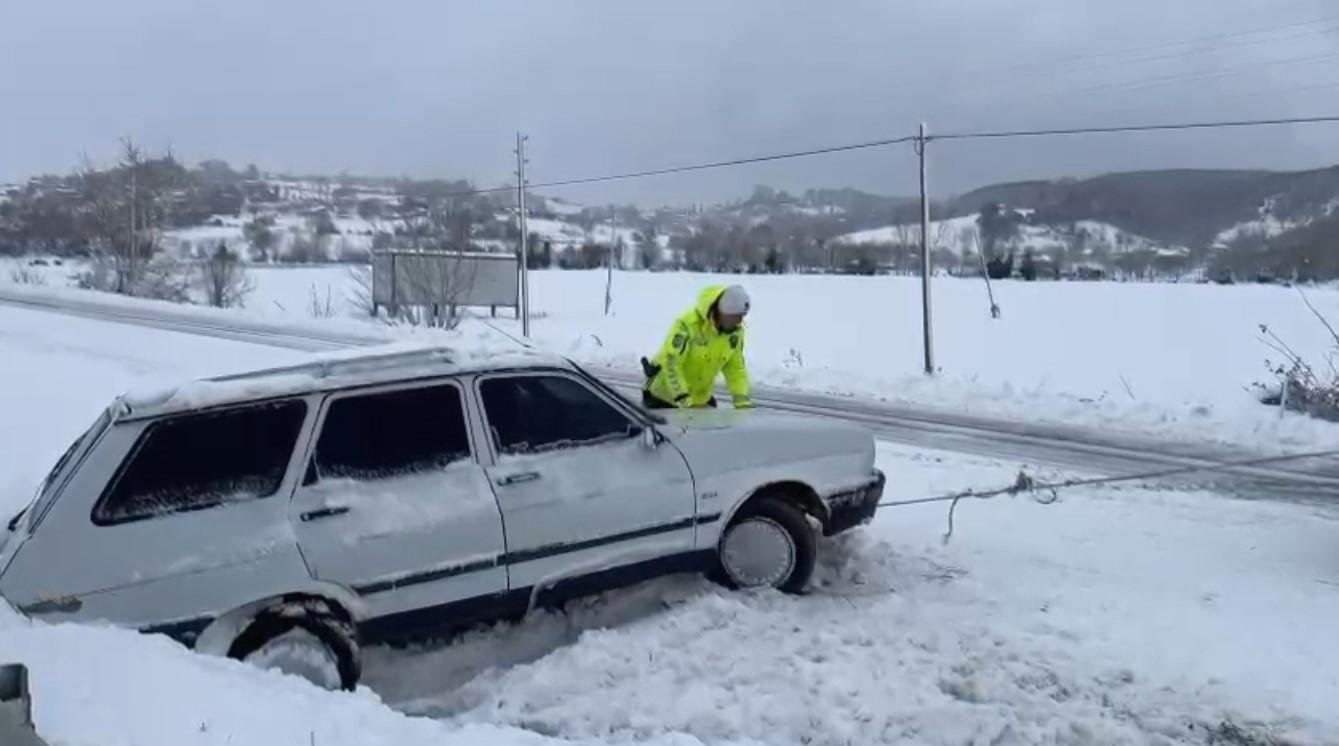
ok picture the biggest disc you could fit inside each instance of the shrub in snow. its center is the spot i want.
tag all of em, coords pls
(320, 306)
(21, 275)
(163, 278)
(1301, 388)
(223, 279)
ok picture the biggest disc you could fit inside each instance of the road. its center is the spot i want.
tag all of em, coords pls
(1086, 450)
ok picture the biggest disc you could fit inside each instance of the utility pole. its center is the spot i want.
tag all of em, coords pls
(613, 246)
(927, 328)
(525, 237)
(129, 275)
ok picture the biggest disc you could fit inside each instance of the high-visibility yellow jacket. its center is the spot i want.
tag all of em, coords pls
(695, 353)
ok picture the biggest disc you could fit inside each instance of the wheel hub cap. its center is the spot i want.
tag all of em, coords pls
(758, 552)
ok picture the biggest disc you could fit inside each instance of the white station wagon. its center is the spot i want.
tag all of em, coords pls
(287, 516)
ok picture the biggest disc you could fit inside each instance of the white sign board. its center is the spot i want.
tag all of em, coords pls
(444, 278)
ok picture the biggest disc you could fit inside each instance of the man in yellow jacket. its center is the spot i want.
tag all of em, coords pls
(706, 341)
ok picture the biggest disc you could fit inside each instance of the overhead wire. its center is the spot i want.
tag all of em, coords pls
(1223, 124)
(688, 168)
(1179, 43)
(886, 142)
(1060, 66)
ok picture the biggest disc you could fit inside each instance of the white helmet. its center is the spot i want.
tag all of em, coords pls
(733, 302)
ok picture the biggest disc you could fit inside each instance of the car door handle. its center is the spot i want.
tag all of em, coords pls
(314, 515)
(522, 478)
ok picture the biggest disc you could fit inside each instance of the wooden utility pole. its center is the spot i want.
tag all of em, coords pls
(927, 327)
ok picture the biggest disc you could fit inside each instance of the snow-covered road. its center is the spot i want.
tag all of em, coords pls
(1115, 616)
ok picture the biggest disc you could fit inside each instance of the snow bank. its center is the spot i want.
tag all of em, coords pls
(1037, 624)
(58, 373)
(108, 687)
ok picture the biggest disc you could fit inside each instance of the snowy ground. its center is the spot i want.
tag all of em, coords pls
(1175, 360)
(1171, 360)
(1115, 616)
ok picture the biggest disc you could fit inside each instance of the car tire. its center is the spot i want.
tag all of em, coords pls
(777, 528)
(305, 640)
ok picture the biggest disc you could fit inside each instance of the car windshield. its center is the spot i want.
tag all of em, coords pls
(49, 488)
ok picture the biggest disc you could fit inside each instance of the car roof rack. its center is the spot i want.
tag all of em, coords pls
(351, 366)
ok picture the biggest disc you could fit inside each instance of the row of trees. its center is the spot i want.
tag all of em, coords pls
(116, 216)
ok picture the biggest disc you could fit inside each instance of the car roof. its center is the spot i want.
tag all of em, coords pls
(346, 369)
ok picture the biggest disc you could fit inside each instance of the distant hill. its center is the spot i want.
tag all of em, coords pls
(1183, 207)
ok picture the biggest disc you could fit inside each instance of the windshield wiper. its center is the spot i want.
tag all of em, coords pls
(14, 522)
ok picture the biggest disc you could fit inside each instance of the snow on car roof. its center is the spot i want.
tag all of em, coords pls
(358, 367)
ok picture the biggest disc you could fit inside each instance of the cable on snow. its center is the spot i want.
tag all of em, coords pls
(1047, 493)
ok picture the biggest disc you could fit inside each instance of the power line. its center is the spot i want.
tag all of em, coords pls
(1158, 80)
(1207, 50)
(1219, 96)
(1132, 128)
(694, 167)
(1176, 43)
(1065, 69)
(1148, 82)
(981, 135)
(727, 163)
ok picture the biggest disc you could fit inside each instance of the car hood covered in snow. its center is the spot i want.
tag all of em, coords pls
(728, 439)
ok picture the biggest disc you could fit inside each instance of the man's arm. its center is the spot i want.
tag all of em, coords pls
(737, 377)
(673, 352)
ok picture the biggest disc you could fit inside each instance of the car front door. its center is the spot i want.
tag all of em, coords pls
(393, 503)
(582, 485)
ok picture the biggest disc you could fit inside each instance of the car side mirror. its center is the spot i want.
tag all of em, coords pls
(650, 438)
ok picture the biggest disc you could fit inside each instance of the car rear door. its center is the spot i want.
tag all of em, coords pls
(393, 503)
(580, 485)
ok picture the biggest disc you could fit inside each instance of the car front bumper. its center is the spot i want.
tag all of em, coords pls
(852, 508)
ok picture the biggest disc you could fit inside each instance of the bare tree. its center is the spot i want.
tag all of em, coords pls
(260, 234)
(305, 247)
(359, 294)
(125, 209)
(223, 279)
(434, 286)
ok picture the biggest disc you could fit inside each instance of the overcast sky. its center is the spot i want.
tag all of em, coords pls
(438, 88)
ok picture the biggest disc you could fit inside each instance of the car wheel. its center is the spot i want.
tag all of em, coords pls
(768, 544)
(299, 641)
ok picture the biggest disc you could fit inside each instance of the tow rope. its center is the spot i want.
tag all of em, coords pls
(1047, 493)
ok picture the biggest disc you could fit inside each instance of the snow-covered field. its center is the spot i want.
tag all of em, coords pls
(1114, 616)
(1177, 360)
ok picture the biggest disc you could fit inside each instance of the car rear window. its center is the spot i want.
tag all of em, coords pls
(50, 486)
(203, 460)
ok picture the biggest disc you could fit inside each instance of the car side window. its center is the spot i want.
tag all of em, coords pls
(198, 461)
(392, 433)
(543, 412)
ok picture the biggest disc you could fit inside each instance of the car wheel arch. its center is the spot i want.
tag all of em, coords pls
(218, 637)
(792, 491)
